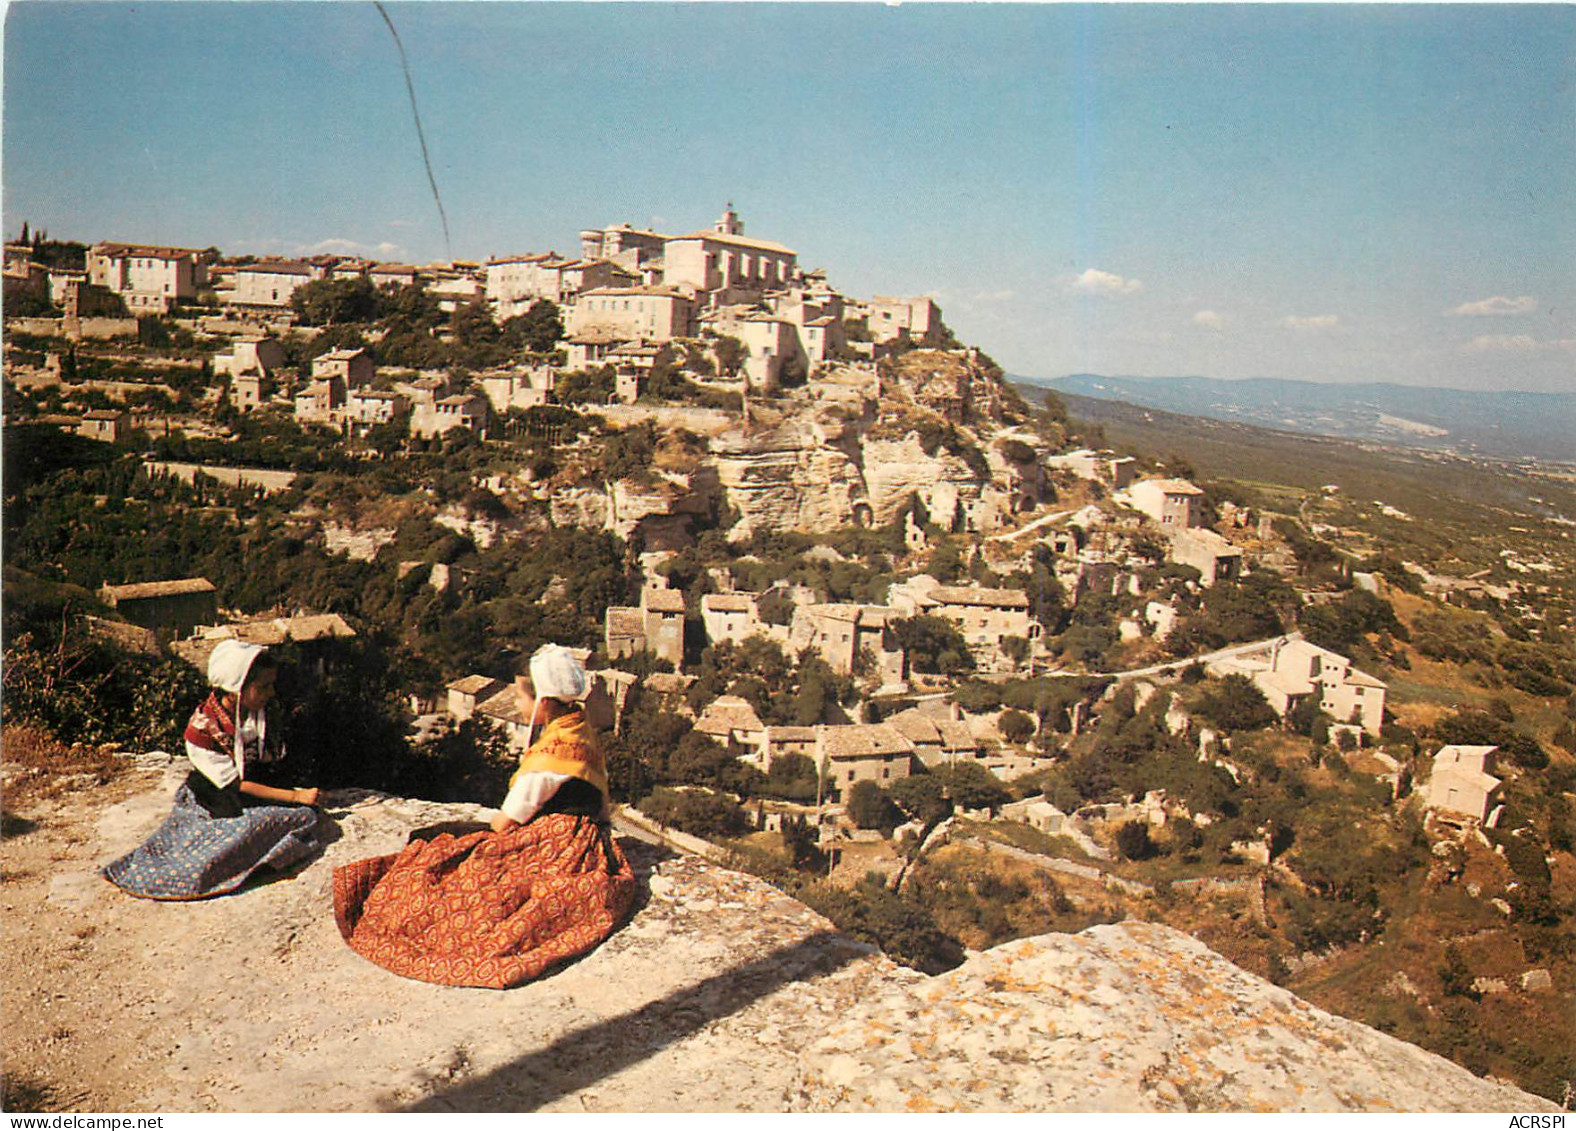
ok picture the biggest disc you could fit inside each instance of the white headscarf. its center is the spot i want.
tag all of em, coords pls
(228, 667)
(231, 662)
(555, 674)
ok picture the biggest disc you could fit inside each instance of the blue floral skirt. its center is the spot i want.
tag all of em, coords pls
(194, 854)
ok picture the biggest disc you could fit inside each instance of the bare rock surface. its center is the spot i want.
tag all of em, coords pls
(719, 994)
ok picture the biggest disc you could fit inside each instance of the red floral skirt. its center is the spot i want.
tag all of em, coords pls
(486, 909)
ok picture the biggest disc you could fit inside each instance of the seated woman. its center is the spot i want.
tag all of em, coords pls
(227, 824)
(497, 907)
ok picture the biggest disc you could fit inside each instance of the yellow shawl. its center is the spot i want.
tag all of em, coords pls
(567, 746)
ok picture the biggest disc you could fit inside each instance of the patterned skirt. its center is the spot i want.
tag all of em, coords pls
(486, 909)
(194, 854)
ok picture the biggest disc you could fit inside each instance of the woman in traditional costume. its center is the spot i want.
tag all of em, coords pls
(228, 822)
(497, 907)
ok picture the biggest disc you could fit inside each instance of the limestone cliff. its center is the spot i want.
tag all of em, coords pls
(719, 993)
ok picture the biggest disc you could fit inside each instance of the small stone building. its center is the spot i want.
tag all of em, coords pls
(170, 608)
(1463, 784)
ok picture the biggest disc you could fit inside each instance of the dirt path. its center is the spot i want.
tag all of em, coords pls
(70, 1042)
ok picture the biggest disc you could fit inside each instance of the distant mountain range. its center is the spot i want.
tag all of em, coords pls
(1505, 425)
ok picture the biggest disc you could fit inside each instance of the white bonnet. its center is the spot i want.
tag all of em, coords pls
(556, 674)
(231, 662)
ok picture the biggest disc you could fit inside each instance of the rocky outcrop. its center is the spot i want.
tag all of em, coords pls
(358, 545)
(896, 469)
(719, 993)
(791, 479)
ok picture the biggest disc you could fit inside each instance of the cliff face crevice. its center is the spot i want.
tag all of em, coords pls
(719, 993)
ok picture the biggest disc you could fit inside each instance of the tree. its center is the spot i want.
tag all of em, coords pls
(922, 796)
(730, 354)
(971, 786)
(799, 839)
(1235, 704)
(539, 329)
(586, 386)
(699, 812)
(934, 645)
(1132, 841)
(792, 777)
(1015, 726)
(329, 302)
(870, 808)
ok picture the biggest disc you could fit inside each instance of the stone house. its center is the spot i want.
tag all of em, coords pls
(816, 312)
(25, 277)
(460, 410)
(249, 391)
(321, 401)
(655, 314)
(732, 723)
(255, 353)
(392, 276)
(466, 693)
(840, 633)
(770, 342)
(1174, 503)
(590, 348)
(656, 626)
(985, 617)
(367, 408)
(518, 388)
(1215, 558)
(109, 425)
(916, 319)
(631, 248)
(1289, 669)
(348, 270)
(862, 752)
(354, 367)
(513, 283)
(169, 608)
(730, 616)
(1037, 813)
(938, 741)
(148, 279)
(454, 285)
(1097, 467)
(1463, 784)
(782, 741)
(271, 283)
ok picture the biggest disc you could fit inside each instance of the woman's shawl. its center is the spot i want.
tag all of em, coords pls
(211, 730)
(567, 746)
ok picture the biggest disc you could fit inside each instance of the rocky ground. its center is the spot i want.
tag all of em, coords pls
(719, 994)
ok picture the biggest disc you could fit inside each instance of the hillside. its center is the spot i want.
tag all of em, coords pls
(1500, 424)
(719, 994)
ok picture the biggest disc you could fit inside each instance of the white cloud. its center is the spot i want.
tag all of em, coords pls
(1499, 304)
(1311, 322)
(1098, 282)
(338, 245)
(1209, 320)
(1516, 343)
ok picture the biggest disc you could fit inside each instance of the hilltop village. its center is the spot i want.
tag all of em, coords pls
(863, 619)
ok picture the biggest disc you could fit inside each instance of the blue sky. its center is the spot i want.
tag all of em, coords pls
(1332, 193)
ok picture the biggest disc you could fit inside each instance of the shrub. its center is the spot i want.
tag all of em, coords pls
(1132, 841)
(1015, 726)
(698, 812)
(870, 808)
(1235, 704)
